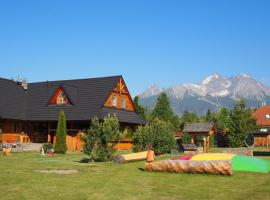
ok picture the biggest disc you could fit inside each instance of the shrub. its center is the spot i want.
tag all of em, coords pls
(61, 133)
(158, 133)
(185, 138)
(46, 147)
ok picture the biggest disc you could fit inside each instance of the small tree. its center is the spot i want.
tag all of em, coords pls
(109, 132)
(90, 138)
(61, 133)
(98, 136)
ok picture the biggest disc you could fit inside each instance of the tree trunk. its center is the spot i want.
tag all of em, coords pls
(223, 167)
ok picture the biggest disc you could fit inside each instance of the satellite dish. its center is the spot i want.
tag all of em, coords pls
(249, 141)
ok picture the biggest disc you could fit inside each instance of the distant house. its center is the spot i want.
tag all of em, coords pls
(200, 133)
(262, 136)
(34, 108)
(178, 134)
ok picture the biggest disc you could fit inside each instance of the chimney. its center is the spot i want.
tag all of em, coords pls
(24, 84)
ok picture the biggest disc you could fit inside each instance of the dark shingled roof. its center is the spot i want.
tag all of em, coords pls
(87, 97)
(198, 127)
(263, 131)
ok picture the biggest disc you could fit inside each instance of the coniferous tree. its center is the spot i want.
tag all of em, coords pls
(209, 117)
(61, 132)
(223, 119)
(189, 117)
(240, 124)
(163, 108)
(140, 109)
(98, 136)
(163, 111)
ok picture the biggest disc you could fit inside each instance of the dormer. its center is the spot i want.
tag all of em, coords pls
(60, 98)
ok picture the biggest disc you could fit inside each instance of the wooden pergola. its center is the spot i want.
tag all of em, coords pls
(205, 130)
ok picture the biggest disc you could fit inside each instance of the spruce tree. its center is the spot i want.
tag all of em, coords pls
(163, 111)
(223, 119)
(208, 117)
(240, 124)
(61, 133)
(163, 108)
(140, 109)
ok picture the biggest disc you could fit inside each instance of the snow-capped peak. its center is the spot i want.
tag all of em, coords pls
(216, 85)
(210, 78)
(152, 90)
(243, 75)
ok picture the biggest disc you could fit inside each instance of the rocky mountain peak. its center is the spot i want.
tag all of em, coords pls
(214, 91)
(151, 90)
(211, 78)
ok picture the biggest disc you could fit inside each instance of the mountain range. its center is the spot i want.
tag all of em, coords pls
(212, 93)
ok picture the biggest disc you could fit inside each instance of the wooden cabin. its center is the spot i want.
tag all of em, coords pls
(200, 134)
(32, 109)
(262, 136)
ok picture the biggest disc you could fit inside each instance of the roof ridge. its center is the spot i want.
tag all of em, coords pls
(79, 79)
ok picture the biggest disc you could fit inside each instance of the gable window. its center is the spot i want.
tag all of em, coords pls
(114, 101)
(267, 116)
(61, 99)
(123, 103)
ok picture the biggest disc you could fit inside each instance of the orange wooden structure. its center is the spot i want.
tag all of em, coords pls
(14, 137)
(262, 140)
(73, 141)
(124, 144)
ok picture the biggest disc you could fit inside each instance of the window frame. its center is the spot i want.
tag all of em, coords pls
(123, 103)
(114, 101)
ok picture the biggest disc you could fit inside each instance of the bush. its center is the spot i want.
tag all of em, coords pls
(46, 147)
(158, 133)
(61, 133)
(185, 138)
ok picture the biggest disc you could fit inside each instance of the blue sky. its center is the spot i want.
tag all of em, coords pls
(164, 42)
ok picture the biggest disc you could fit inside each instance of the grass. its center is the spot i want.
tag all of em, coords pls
(115, 181)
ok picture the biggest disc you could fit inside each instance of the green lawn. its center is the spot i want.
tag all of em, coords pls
(115, 181)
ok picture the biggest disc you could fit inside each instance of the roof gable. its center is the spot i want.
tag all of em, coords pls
(120, 93)
(262, 116)
(60, 97)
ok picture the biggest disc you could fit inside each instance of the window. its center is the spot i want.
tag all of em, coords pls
(123, 103)
(114, 101)
(61, 99)
(267, 116)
